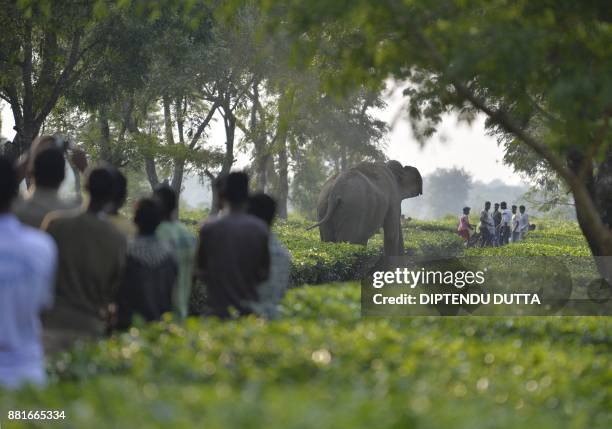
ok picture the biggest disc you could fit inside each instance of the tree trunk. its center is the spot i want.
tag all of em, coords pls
(229, 122)
(177, 176)
(595, 195)
(283, 179)
(105, 144)
(151, 171)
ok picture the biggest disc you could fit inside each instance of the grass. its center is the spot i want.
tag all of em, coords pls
(324, 366)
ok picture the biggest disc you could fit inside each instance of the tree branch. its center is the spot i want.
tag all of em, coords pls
(203, 125)
(63, 78)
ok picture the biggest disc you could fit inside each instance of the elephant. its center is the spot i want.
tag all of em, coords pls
(355, 204)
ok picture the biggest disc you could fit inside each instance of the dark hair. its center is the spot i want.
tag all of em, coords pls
(466, 210)
(262, 206)
(119, 188)
(514, 206)
(237, 188)
(100, 184)
(488, 203)
(148, 215)
(49, 168)
(522, 207)
(503, 205)
(496, 204)
(167, 200)
(9, 186)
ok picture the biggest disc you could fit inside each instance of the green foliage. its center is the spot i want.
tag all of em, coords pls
(322, 365)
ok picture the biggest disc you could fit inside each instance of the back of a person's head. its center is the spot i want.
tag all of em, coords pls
(119, 188)
(262, 206)
(100, 184)
(148, 215)
(167, 200)
(237, 188)
(9, 187)
(49, 168)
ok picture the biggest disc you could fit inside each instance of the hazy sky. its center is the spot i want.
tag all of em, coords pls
(456, 144)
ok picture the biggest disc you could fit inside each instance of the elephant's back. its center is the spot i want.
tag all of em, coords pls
(361, 190)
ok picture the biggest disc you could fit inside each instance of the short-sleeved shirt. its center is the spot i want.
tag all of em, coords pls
(34, 207)
(523, 223)
(506, 218)
(272, 290)
(92, 255)
(233, 259)
(497, 216)
(28, 259)
(183, 244)
(486, 221)
(464, 223)
(515, 221)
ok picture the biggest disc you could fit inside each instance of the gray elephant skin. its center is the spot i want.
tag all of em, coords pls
(355, 204)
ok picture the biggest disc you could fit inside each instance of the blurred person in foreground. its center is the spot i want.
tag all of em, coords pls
(91, 262)
(25, 163)
(28, 259)
(123, 224)
(48, 174)
(183, 244)
(272, 290)
(151, 270)
(233, 256)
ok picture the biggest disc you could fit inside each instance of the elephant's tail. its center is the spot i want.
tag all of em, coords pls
(328, 214)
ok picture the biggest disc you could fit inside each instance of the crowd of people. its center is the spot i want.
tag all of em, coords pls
(71, 272)
(498, 228)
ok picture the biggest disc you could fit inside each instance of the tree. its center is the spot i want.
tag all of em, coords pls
(539, 71)
(447, 191)
(45, 47)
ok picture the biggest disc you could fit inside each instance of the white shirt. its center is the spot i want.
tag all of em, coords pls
(506, 217)
(523, 223)
(515, 222)
(28, 259)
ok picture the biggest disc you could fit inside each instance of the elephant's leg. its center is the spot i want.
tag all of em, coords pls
(393, 242)
(400, 248)
(327, 233)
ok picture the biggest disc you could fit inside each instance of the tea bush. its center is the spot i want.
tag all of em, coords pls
(322, 365)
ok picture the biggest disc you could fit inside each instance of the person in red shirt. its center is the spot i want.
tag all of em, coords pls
(464, 225)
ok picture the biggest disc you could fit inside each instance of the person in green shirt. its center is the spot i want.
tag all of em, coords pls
(183, 243)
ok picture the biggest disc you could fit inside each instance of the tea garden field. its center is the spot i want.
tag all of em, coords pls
(322, 365)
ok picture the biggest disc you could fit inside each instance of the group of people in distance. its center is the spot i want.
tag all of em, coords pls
(498, 228)
(72, 272)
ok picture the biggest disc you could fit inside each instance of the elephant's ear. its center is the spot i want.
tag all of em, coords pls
(415, 174)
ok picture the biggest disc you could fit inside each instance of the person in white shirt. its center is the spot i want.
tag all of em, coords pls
(523, 227)
(506, 220)
(28, 259)
(487, 228)
(515, 225)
